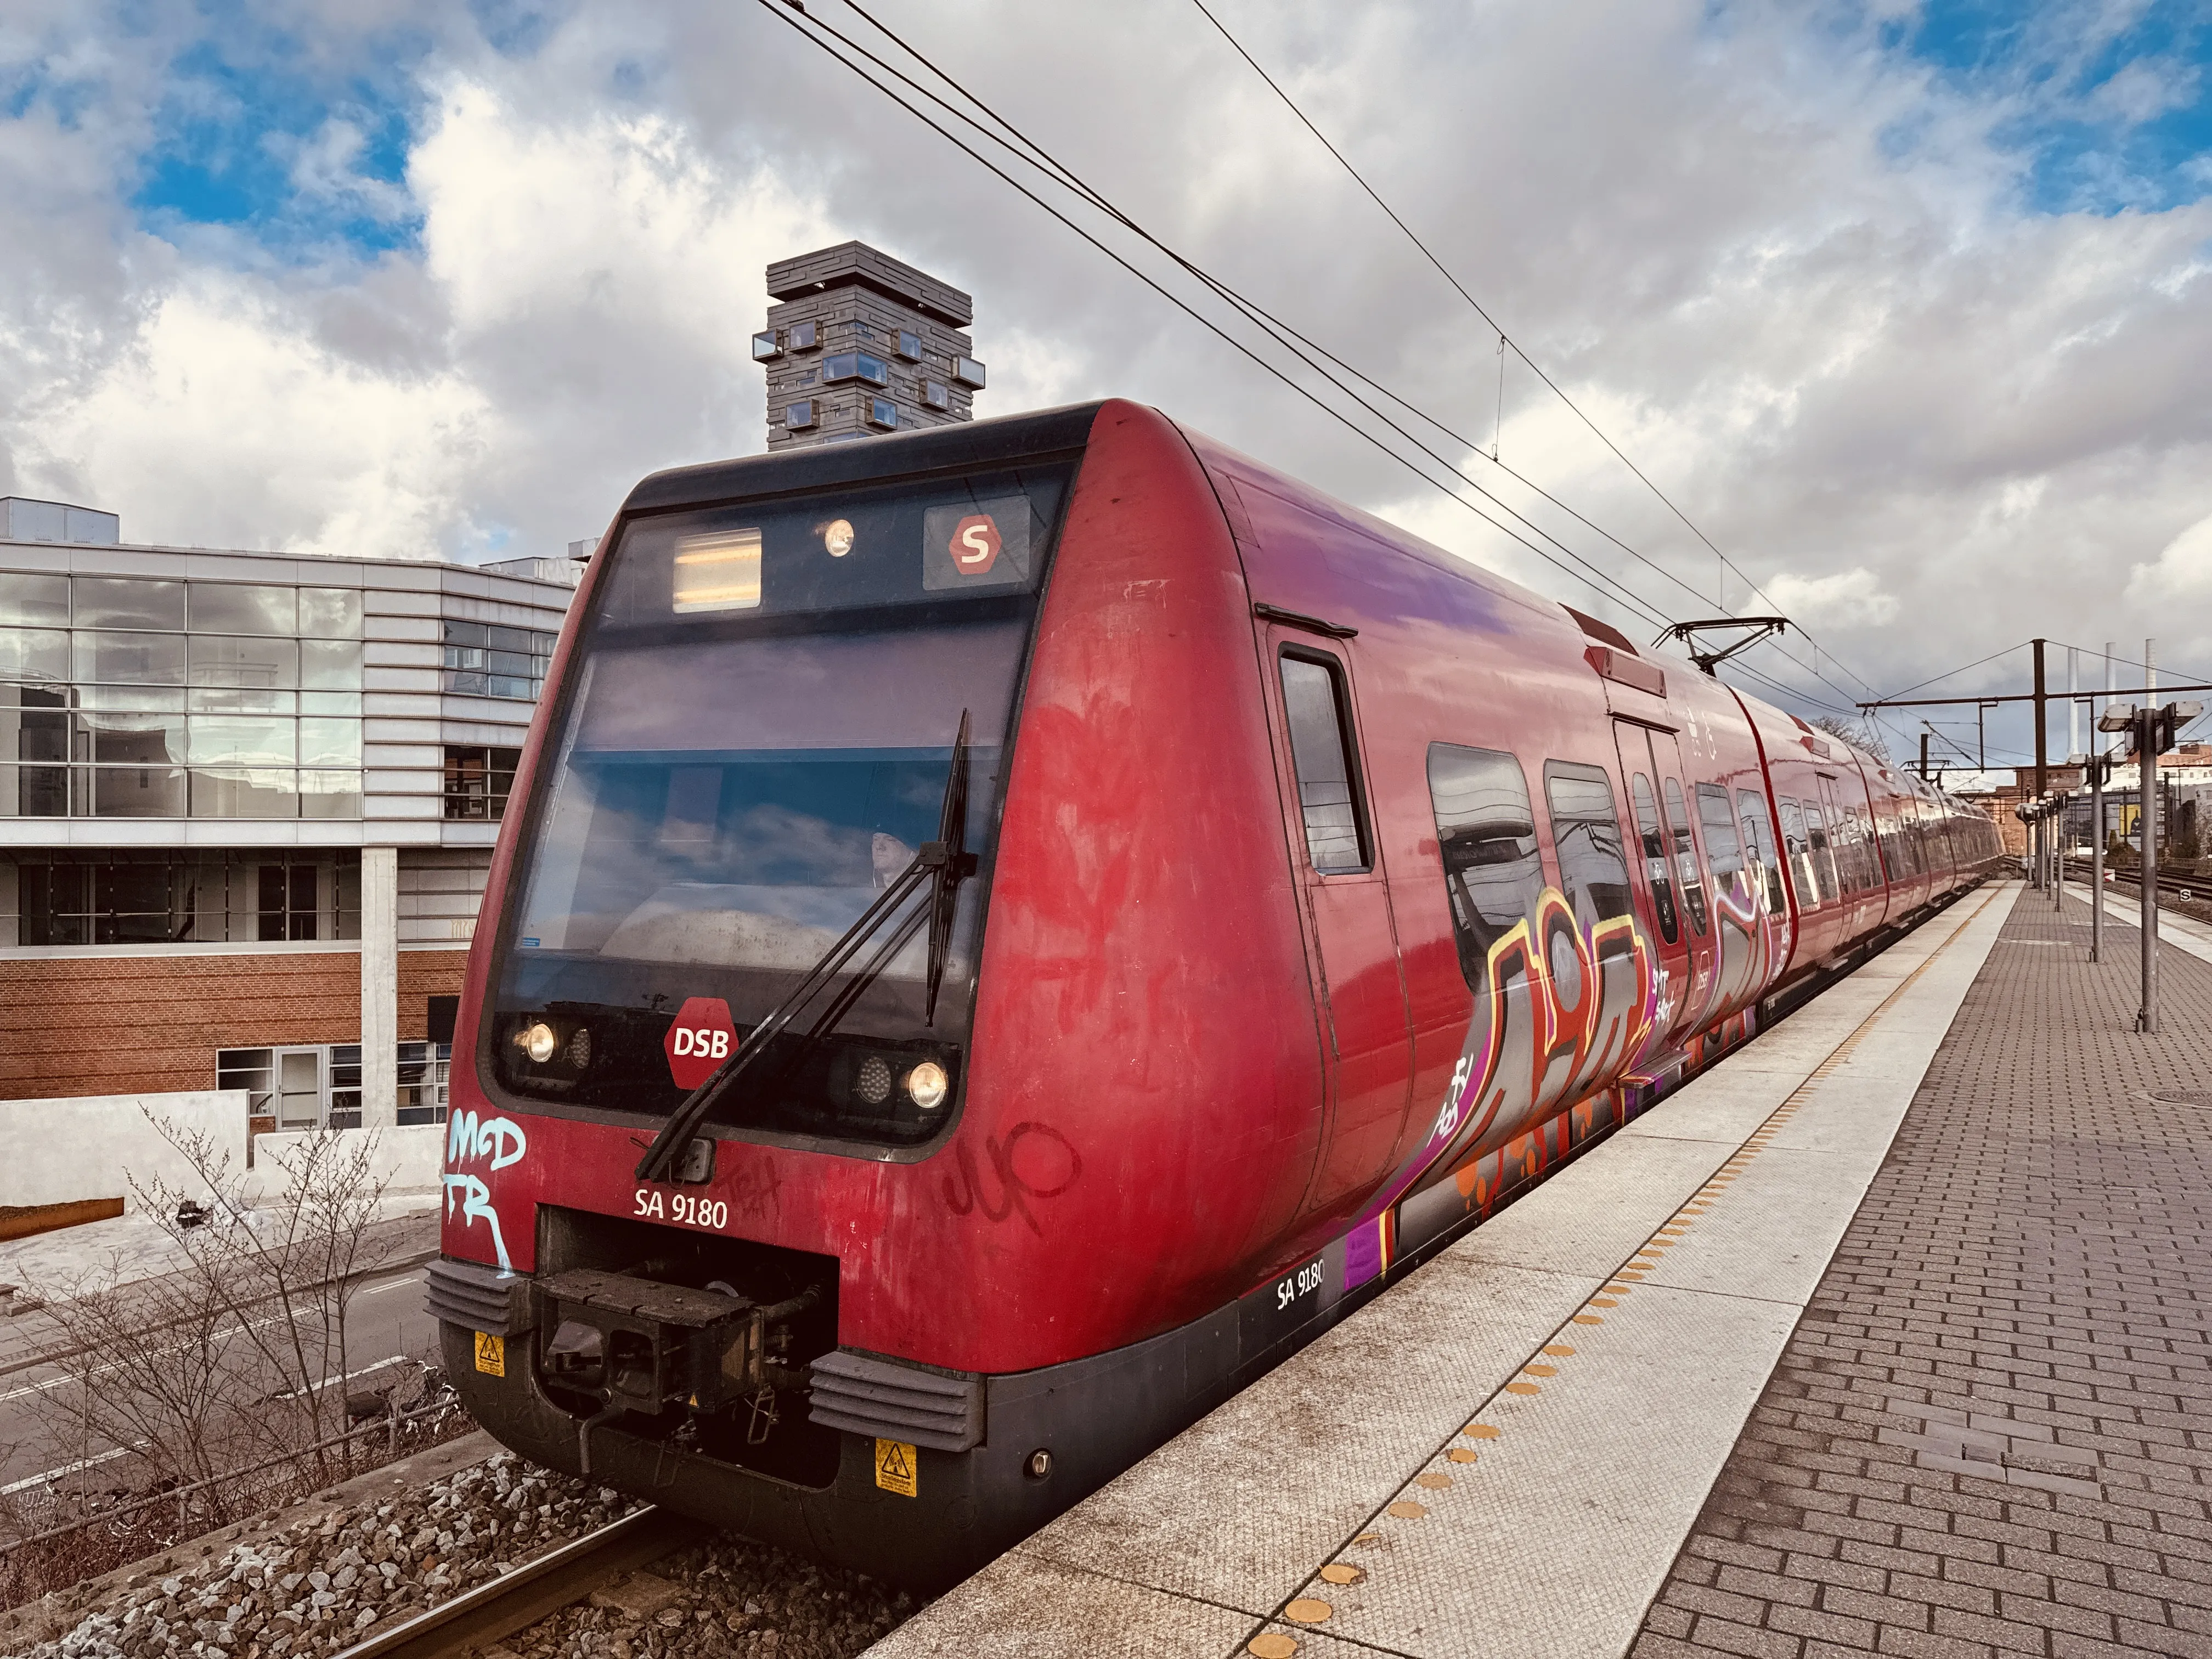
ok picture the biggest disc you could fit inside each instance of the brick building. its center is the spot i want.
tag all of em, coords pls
(248, 804)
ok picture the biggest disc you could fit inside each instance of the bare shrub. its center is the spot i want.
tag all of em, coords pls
(239, 1353)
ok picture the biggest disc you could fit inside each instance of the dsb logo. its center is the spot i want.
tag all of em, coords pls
(699, 1039)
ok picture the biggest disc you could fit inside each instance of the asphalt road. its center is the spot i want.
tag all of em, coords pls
(386, 1323)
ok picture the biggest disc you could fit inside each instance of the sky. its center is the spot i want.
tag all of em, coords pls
(1905, 308)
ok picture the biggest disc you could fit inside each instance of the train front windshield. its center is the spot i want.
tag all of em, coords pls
(757, 740)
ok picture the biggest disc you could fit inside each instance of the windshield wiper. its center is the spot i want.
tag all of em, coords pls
(943, 864)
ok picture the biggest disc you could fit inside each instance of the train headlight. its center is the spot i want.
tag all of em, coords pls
(539, 1042)
(927, 1085)
(580, 1049)
(837, 537)
(873, 1084)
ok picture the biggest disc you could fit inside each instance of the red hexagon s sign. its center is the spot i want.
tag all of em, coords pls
(975, 543)
(699, 1041)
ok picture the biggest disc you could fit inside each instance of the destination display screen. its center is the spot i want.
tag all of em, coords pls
(761, 730)
(894, 545)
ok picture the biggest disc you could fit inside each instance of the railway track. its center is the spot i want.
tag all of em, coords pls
(478, 1618)
(2180, 887)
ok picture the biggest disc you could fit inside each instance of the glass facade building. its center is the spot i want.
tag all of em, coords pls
(125, 696)
(260, 792)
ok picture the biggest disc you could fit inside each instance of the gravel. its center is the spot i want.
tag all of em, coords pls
(317, 1587)
(730, 1597)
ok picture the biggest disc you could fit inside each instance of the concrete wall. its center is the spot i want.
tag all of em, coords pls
(410, 1157)
(61, 1150)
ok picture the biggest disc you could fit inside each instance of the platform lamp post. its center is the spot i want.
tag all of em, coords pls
(2095, 771)
(2058, 853)
(2150, 733)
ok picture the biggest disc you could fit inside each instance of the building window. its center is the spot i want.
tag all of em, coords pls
(883, 412)
(484, 661)
(798, 416)
(800, 336)
(765, 349)
(126, 697)
(477, 781)
(856, 366)
(178, 896)
(424, 1068)
(344, 1100)
(252, 1070)
(909, 345)
(318, 1085)
(287, 909)
(968, 371)
(934, 394)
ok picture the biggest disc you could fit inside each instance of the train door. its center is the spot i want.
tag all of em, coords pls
(1850, 858)
(1360, 982)
(1695, 995)
(1666, 904)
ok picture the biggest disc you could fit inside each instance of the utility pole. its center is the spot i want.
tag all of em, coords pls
(2152, 729)
(2147, 816)
(2042, 727)
(2099, 763)
(2058, 853)
(1924, 757)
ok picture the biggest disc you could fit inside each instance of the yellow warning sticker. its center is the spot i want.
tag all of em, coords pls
(895, 1467)
(491, 1354)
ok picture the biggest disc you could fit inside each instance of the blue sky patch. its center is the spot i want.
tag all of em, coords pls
(254, 134)
(2110, 107)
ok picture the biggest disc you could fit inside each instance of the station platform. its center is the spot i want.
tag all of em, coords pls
(1732, 1382)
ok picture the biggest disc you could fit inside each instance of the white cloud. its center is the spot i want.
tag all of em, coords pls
(1849, 598)
(1789, 272)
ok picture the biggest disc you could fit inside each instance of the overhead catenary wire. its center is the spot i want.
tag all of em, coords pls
(1013, 139)
(1505, 338)
(1313, 355)
(1300, 345)
(1601, 582)
(1035, 155)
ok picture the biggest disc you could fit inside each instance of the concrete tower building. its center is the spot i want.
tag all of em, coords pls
(860, 344)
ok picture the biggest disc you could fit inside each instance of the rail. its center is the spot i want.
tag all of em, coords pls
(2186, 887)
(476, 1618)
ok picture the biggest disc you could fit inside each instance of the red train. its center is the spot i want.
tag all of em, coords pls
(1011, 929)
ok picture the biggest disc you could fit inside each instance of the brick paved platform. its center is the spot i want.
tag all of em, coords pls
(1991, 1430)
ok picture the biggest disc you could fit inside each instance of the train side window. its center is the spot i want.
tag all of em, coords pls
(1723, 851)
(1758, 849)
(1328, 763)
(1586, 832)
(1686, 859)
(1656, 865)
(1486, 833)
(1824, 858)
(1798, 851)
